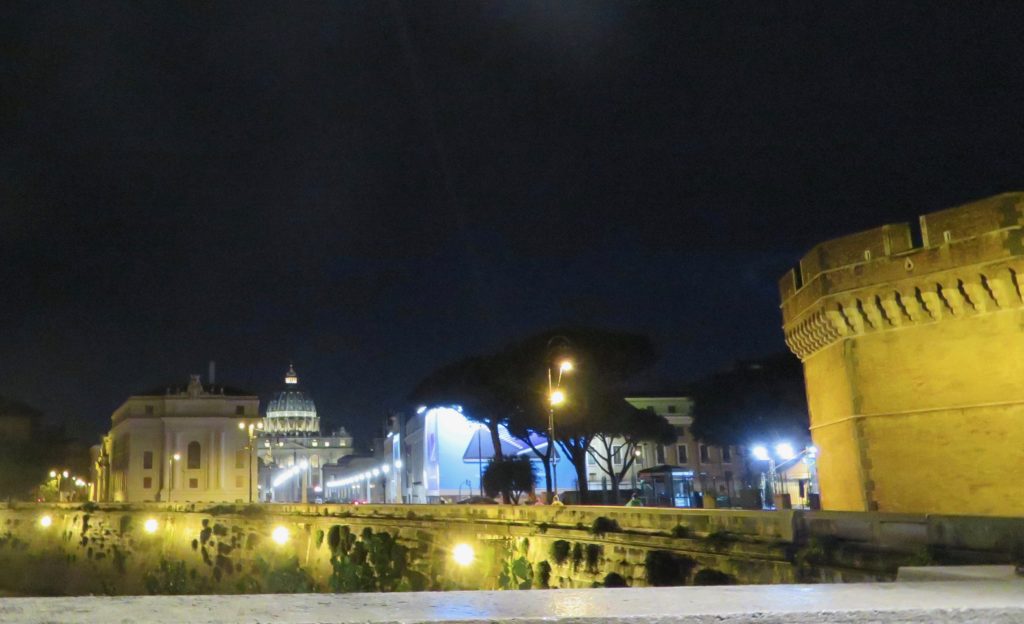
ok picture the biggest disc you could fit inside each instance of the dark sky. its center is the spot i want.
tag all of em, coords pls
(374, 189)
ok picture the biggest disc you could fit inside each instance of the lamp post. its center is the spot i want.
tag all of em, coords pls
(784, 452)
(170, 476)
(56, 475)
(556, 396)
(251, 427)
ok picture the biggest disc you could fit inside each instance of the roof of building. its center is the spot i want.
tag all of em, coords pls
(176, 389)
(292, 400)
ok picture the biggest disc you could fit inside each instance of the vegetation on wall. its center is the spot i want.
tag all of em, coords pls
(374, 563)
(666, 569)
(560, 551)
(602, 525)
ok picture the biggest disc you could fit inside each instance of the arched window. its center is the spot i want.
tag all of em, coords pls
(194, 455)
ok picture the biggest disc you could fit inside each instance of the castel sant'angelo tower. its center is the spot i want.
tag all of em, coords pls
(914, 361)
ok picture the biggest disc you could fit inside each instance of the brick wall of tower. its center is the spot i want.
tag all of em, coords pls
(914, 360)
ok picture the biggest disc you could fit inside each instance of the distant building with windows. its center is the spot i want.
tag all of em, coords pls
(178, 444)
(291, 449)
(669, 475)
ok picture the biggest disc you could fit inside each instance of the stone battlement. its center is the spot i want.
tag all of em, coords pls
(968, 262)
(913, 356)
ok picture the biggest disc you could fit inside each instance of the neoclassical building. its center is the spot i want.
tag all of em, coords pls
(292, 451)
(180, 444)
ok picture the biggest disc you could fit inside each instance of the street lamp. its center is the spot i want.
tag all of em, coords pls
(556, 397)
(170, 474)
(783, 451)
(54, 474)
(249, 446)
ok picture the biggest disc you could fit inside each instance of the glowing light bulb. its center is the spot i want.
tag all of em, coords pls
(463, 554)
(280, 535)
(151, 525)
(45, 521)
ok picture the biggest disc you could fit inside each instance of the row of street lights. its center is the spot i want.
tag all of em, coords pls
(784, 452)
(366, 476)
(59, 476)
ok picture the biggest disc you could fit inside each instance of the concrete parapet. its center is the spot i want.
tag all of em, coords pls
(992, 602)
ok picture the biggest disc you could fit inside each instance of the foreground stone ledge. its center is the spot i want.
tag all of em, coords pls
(990, 602)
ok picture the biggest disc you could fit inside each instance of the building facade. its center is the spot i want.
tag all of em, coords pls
(670, 474)
(178, 444)
(291, 449)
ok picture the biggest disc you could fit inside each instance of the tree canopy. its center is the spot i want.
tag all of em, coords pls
(26, 458)
(620, 430)
(511, 477)
(756, 401)
(510, 387)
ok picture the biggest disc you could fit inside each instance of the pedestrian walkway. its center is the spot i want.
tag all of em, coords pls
(964, 601)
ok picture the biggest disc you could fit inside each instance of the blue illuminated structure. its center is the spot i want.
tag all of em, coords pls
(447, 453)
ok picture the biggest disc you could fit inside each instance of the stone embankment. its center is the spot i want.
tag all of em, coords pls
(160, 549)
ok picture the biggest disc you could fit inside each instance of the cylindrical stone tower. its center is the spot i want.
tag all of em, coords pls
(914, 361)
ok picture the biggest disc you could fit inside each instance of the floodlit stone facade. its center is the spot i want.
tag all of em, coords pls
(291, 449)
(199, 424)
(914, 361)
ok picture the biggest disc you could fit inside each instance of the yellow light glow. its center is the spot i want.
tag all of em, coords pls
(565, 366)
(241, 425)
(557, 397)
(463, 554)
(65, 473)
(151, 525)
(45, 521)
(177, 456)
(53, 474)
(280, 535)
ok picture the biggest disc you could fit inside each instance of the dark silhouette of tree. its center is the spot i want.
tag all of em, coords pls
(604, 362)
(28, 450)
(511, 477)
(757, 401)
(510, 388)
(478, 384)
(621, 430)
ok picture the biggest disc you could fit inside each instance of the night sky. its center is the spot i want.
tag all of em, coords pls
(374, 189)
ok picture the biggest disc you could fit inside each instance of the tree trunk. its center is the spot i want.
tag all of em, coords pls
(582, 486)
(577, 454)
(492, 426)
(615, 490)
(547, 470)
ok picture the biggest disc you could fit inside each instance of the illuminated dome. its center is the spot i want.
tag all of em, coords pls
(291, 411)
